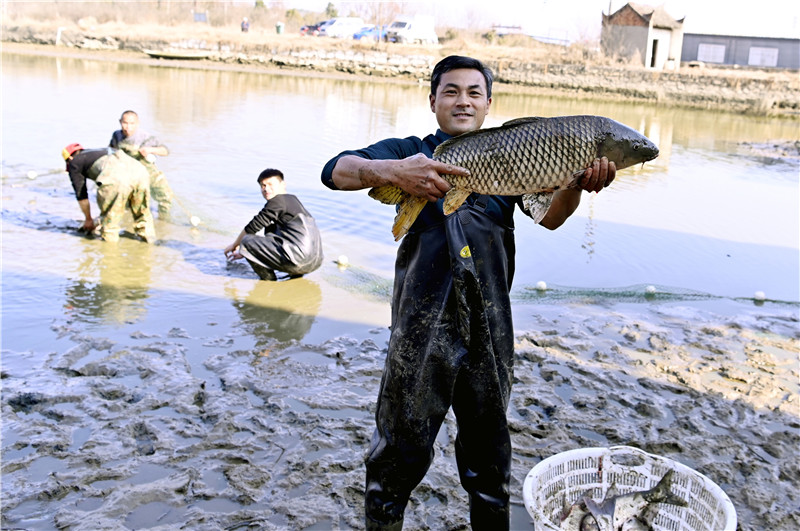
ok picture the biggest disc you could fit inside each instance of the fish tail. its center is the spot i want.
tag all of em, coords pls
(454, 199)
(388, 194)
(406, 215)
(577, 177)
(673, 499)
(536, 205)
(661, 493)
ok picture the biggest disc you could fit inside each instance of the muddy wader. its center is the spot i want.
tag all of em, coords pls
(294, 248)
(160, 191)
(452, 344)
(122, 183)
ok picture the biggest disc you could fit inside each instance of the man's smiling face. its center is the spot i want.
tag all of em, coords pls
(461, 102)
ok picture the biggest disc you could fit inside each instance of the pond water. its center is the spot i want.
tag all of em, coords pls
(708, 220)
(705, 217)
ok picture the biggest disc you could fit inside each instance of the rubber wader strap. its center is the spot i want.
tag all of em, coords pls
(481, 202)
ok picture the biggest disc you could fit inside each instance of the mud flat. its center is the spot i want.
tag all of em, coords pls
(153, 428)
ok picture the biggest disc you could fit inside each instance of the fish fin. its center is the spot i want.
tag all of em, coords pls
(603, 515)
(406, 215)
(535, 205)
(648, 515)
(454, 199)
(577, 177)
(388, 194)
(525, 120)
(674, 499)
(613, 491)
(486, 131)
(444, 146)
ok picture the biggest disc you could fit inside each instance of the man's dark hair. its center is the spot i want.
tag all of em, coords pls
(453, 62)
(128, 112)
(270, 172)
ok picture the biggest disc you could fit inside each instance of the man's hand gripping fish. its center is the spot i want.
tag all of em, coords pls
(532, 157)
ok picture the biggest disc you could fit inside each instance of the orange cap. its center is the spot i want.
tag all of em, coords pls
(70, 149)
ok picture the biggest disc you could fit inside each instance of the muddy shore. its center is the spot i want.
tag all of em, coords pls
(165, 428)
(552, 71)
(171, 425)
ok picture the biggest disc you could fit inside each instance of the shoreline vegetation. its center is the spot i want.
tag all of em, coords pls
(520, 64)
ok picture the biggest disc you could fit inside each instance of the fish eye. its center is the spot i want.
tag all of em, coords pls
(636, 147)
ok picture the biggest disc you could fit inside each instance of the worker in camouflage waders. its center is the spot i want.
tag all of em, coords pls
(144, 148)
(122, 183)
(452, 335)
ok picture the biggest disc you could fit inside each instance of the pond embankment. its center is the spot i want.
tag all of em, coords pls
(747, 91)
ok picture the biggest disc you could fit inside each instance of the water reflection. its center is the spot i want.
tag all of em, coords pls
(277, 311)
(113, 282)
(589, 232)
(704, 197)
(188, 92)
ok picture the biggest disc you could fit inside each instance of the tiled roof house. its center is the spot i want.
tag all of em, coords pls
(643, 34)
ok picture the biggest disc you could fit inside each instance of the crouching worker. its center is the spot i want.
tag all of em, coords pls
(121, 183)
(291, 242)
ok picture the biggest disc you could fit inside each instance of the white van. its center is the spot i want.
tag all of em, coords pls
(341, 27)
(416, 29)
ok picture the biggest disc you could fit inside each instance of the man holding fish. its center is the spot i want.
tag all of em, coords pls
(452, 336)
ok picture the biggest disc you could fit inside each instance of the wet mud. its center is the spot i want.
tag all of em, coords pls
(144, 431)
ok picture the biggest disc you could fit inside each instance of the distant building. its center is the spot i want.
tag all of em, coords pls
(643, 34)
(741, 50)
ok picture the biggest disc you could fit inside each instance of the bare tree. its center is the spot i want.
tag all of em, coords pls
(379, 13)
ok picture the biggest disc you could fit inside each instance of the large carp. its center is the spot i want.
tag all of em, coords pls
(532, 157)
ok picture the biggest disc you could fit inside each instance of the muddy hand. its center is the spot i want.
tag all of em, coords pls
(422, 177)
(599, 175)
(88, 226)
(232, 252)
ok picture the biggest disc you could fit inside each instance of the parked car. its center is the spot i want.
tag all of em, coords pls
(375, 33)
(311, 29)
(341, 27)
(417, 29)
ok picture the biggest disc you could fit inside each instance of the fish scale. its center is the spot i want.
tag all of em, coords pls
(527, 157)
(537, 154)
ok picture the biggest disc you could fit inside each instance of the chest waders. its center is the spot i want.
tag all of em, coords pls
(452, 345)
(160, 190)
(295, 248)
(122, 184)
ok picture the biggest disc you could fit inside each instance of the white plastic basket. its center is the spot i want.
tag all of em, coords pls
(566, 477)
